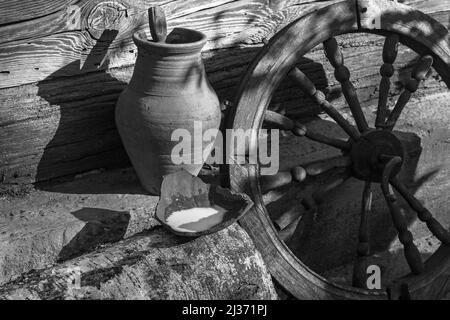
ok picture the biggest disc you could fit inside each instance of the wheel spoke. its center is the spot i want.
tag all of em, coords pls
(342, 75)
(419, 73)
(272, 196)
(423, 213)
(298, 173)
(278, 120)
(284, 123)
(401, 103)
(287, 232)
(337, 143)
(318, 96)
(277, 180)
(303, 226)
(287, 218)
(390, 50)
(282, 178)
(293, 232)
(322, 166)
(411, 252)
(363, 249)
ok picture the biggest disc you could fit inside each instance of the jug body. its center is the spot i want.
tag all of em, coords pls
(168, 91)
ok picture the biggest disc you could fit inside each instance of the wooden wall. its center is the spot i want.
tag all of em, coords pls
(63, 64)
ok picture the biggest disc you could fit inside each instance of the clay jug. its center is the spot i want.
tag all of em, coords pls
(169, 90)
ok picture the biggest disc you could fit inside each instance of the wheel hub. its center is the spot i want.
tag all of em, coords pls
(371, 152)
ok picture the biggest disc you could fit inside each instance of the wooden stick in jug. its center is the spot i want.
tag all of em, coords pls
(157, 22)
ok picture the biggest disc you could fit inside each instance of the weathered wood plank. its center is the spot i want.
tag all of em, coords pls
(33, 50)
(16, 11)
(23, 21)
(13, 11)
(36, 58)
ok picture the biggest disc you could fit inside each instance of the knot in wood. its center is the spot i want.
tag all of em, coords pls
(387, 70)
(342, 73)
(107, 15)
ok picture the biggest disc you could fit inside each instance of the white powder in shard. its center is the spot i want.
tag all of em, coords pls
(182, 217)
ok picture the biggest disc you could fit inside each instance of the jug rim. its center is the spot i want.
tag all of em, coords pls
(141, 41)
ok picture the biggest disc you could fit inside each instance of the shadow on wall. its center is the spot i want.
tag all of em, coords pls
(85, 136)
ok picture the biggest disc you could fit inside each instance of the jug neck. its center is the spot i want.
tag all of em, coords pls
(169, 69)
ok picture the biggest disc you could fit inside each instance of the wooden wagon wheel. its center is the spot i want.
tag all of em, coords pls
(375, 154)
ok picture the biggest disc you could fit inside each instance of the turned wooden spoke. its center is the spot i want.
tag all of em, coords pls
(411, 252)
(423, 213)
(282, 178)
(287, 223)
(277, 180)
(318, 96)
(313, 135)
(278, 120)
(342, 75)
(363, 249)
(299, 173)
(272, 196)
(286, 233)
(287, 218)
(322, 166)
(390, 50)
(419, 73)
(284, 123)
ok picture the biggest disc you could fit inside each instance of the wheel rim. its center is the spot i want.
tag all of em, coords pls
(264, 76)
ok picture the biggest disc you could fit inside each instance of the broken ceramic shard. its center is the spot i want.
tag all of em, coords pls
(190, 207)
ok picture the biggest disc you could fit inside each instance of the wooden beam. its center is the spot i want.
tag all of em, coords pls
(156, 265)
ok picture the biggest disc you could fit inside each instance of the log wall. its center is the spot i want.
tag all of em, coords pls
(63, 64)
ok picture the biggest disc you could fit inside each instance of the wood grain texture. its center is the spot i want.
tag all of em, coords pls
(59, 83)
(30, 54)
(156, 265)
(34, 49)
